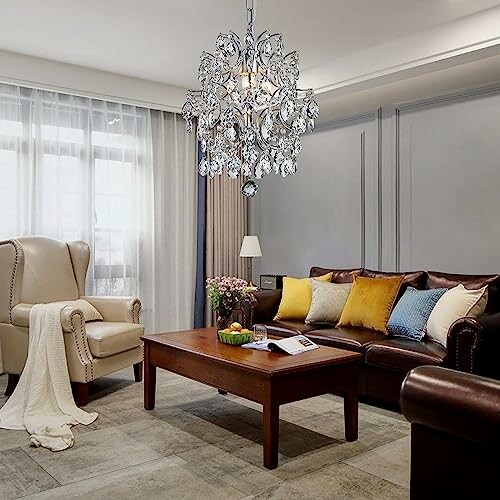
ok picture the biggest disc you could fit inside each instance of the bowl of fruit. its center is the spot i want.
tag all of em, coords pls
(235, 334)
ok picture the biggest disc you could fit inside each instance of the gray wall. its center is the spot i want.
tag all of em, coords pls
(415, 186)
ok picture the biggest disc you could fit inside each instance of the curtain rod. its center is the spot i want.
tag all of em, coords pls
(90, 95)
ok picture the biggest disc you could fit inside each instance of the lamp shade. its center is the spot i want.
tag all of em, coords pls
(250, 247)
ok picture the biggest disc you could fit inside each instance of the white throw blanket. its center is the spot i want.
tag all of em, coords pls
(42, 402)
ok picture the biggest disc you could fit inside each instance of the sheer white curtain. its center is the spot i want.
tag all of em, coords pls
(78, 168)
(175, 197)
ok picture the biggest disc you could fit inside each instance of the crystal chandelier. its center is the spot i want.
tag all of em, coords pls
(250, 113)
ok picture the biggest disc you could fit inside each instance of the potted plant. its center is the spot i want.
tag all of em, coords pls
(226, 293)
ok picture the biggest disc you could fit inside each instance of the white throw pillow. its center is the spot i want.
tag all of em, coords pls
(456, 303)
(90, 313)
(328, 301)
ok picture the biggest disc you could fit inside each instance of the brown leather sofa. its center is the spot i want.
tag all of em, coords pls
(472, 344)
(455, 433)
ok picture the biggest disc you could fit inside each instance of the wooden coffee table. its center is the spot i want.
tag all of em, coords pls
(270, 379)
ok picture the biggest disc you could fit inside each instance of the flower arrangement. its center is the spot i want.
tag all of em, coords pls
(226, 293)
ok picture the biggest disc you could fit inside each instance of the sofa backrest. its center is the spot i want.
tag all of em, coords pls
(338, 275)
(415, 279)
(436, 279)
(423, 280)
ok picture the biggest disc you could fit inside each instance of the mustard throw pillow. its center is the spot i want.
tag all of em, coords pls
(370, 302)
(296, 297)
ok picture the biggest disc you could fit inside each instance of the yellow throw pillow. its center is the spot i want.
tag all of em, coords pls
(296, 297)
(370, 302)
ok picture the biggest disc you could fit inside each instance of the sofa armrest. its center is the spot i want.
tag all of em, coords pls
(474, 344)
(265, 305)
(458, 404)
(123, 309)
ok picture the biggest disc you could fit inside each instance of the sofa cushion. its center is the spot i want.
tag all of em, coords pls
(289, 328)
(351, 339)
(370, 302)
(404, 354)
(110, 337)
(328, 301)
(410, 314)
(458, 302)
(472, 282)
(296, 297)
(338, 275)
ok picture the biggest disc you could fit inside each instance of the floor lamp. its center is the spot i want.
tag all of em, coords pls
(250, 248)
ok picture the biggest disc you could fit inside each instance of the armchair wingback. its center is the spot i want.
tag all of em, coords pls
(48, 274)
(37, 269)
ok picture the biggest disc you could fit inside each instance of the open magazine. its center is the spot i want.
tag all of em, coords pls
(291, 345)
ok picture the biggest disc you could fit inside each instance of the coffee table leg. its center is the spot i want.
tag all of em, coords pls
(351, 415)
(271, 419)
(149, 380)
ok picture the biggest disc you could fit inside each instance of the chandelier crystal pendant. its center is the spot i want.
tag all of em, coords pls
(250, 113)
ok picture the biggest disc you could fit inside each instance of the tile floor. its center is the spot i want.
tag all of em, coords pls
(199, 444)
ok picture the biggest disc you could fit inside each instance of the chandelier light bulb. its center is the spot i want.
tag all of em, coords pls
(249, 112)
(246, 80)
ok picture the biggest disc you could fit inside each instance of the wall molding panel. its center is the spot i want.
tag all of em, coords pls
(328, 212)
(468, 120)
(397, 177)
(362, 197)
(379, 187)
(412, 185)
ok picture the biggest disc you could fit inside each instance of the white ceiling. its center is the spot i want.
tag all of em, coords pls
(161, 40)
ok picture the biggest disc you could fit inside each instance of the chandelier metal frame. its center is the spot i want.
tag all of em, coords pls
(250, 113)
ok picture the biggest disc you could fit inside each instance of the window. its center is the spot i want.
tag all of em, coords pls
(71, 168)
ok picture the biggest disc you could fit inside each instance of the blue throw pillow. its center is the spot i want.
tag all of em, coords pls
(410, 315)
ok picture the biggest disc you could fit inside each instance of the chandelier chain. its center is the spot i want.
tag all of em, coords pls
(250, 14)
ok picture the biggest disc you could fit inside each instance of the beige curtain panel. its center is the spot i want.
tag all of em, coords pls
(226, 225)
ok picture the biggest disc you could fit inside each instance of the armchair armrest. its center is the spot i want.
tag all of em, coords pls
(21, 316)
(454, 403)
(123, 309)
(265, 306)
(78, 354)
(474, 345)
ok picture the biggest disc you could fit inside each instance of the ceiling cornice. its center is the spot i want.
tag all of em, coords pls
(467, 39)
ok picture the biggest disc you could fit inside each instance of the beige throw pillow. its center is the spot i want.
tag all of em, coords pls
(90, 313)
(456, 303)
(328, 301)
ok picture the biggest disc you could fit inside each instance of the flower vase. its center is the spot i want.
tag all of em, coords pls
(223, 320)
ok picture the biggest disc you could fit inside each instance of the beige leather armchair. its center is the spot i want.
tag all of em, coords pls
(37, 269)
